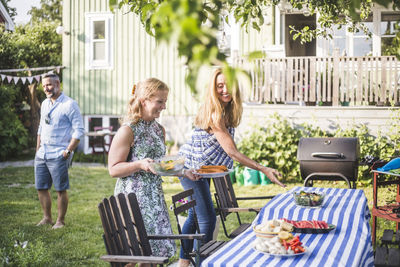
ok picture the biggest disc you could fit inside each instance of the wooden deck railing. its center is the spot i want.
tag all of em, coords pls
(333, 81)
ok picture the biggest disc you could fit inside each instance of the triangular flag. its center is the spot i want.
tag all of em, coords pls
(23, 80)
(9, 78)
(37, 78)
(3, 77)
(30, 79)
(51, 72)
(16, 79)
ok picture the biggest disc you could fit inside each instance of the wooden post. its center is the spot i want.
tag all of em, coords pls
(359, 96)
(35, 108)
(312, 80)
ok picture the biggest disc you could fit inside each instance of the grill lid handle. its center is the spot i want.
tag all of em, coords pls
(328, 155)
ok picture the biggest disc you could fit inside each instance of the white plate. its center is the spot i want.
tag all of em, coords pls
(282, 255)
(213, 174)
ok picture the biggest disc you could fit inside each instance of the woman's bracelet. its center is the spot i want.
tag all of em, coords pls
(183, 172)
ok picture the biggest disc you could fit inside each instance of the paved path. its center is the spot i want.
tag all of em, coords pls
(29, 163)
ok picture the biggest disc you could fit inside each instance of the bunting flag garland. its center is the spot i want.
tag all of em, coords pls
(29, 79)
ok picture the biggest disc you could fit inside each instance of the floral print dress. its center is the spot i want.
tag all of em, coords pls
(149, 143)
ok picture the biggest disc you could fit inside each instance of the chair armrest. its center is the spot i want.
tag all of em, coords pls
(135, 259)
(257, 210)
(251, 198)
(182, 236)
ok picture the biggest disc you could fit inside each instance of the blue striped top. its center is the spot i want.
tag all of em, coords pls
(203, 149)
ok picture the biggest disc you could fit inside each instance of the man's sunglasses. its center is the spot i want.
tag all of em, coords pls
(47, 119)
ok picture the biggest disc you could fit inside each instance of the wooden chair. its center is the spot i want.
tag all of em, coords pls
(227, 203)
(385, 255)
(125, 236)
(101, 144)
(186, 202)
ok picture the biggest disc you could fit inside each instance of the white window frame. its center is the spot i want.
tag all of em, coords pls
(108, 62)
(323, 45)
(9, 24)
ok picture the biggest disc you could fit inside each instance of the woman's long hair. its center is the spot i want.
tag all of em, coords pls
(212, 112)
(144, 90)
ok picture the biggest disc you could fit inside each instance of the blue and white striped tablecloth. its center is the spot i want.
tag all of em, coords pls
(348, 245)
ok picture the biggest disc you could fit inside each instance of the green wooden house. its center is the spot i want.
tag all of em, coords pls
(105, 53)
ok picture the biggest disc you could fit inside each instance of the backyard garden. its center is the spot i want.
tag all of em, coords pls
(80, 243)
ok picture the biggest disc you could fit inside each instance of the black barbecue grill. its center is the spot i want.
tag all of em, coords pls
(329, 158)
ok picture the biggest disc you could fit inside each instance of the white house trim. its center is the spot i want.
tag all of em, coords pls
(8, 21)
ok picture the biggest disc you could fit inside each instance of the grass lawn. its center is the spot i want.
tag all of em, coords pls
(80, 242)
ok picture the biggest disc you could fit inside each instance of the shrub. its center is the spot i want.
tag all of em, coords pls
(91, 158)
(275, 144)
(13, 135)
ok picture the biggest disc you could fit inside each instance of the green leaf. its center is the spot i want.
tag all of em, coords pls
(255, 55)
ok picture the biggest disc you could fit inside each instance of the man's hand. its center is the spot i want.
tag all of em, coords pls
(66, 153)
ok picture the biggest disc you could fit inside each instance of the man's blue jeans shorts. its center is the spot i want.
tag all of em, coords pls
(51, 171)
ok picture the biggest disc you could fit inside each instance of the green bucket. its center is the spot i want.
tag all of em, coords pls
(232, 175)
(239, 175)
(264, 179)
(251, 177)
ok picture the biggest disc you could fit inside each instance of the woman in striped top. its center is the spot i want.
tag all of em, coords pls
(212, 143)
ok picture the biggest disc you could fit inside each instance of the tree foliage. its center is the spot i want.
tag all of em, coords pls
(29, 46)
(192, 25)
(49, 10)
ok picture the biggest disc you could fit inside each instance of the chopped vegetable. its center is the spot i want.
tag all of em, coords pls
(311, 199)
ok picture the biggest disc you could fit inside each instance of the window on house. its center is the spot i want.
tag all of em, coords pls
(338, 41)
(94, 122)
(99, 50)
(114, 122)
(390, 26)
(224, 37)
(362, 43)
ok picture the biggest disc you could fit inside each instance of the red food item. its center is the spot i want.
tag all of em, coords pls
(308, 224)
(294, 245)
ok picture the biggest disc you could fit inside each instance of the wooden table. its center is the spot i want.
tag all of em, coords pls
(102, 134)
(347, 245)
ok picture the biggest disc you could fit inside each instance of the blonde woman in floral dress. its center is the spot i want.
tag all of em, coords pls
(139, 141)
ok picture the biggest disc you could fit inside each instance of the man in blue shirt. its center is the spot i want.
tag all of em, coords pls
(60, 129)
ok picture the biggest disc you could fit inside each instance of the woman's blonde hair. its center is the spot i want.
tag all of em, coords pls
(212, 112)
(144, 90)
